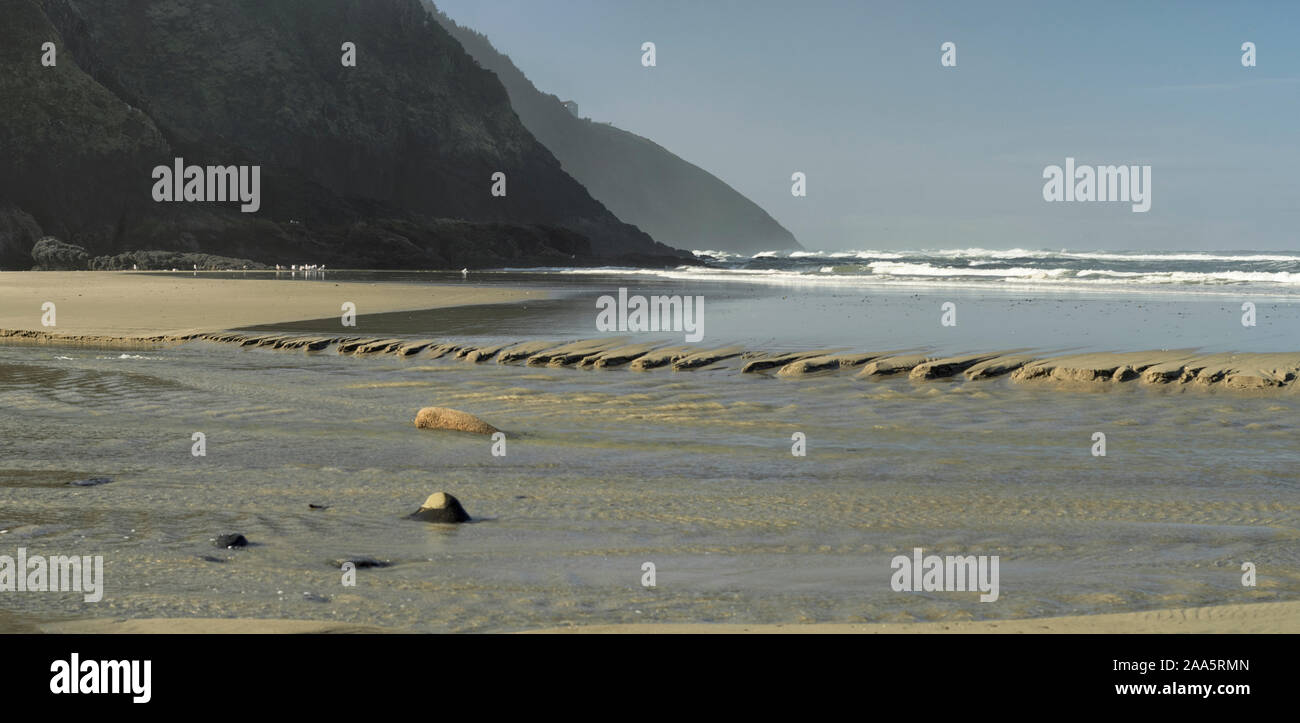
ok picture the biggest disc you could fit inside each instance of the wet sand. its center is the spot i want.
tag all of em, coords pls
(114, 304)
(1283, 617)
(208, 626)
(1258, 618)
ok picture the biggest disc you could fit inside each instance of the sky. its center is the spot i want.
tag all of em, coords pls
(902, 153)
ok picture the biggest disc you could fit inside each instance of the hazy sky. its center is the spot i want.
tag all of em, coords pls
(903, 153)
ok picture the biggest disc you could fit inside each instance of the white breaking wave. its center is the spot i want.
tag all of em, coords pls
(1102, 271)
(982, 255)
(894, 268)
(1286, 278)
(886, 274)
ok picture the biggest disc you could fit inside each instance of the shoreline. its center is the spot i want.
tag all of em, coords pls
(1245, 618)
(134, 310)
(125, 307)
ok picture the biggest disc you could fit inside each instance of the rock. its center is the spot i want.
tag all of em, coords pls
(444, 418)
(441, 507)
(91, 482)
(362, 563)
(314, 597)
(314, 506)
(230, 541)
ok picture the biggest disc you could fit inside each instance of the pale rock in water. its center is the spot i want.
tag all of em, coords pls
(455, 420)
(441, 507)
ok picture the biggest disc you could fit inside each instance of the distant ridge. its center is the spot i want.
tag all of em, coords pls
(676, 202)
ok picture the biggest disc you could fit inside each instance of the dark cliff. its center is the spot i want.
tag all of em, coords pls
(386, 164)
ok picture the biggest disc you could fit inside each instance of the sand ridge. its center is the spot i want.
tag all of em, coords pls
(1244, 372)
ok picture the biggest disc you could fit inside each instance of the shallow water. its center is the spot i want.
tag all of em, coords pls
(606, 470)
(801, 314)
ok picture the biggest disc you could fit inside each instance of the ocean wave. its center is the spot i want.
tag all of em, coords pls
(895, 268)
(977, 255)
(920, 275)
(1158, 272)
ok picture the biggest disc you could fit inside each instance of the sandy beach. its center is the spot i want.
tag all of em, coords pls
(129, 304)
(1257, 618)
(1230, 619)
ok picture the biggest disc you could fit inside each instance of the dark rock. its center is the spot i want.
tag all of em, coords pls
(314, 506)
(91, 482)
(229, 541)
(362, 563)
